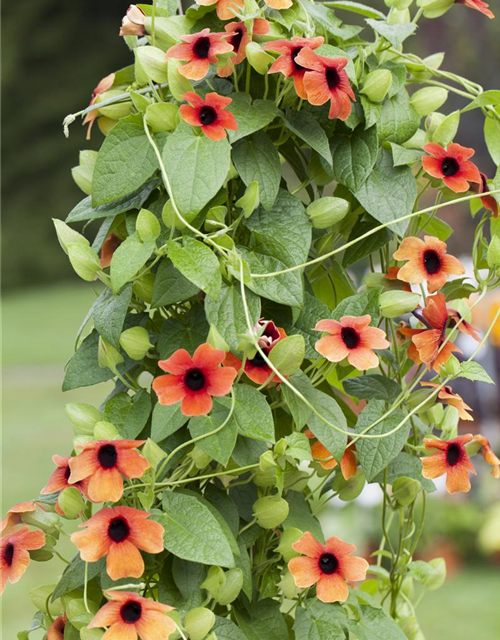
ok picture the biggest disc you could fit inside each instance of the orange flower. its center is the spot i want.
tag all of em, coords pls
(104, 462)
(348, 464)
(133, 22)
(14, 556)
(128, 616)
(225, 8)
(392, 274)
(109, 246)
(194, 380)
(256, 368)
(239, 38)
(427, 261)
(119, 533)
(209, 114)
(14, 515)
(427, 344)
(478, 5)
(325, 79)
(199, 50)
(456, 319)
(488, 454)
(59, 480)
(329, 566)
(488, 202)
(286, 63)
(451, 165)
(451, 459)
(104, 85)
(56, 629)
(352, 338)
(447, 395)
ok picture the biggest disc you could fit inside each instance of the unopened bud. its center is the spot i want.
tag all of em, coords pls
(452, 366)
(231, 588)
(71, 503)
(41, 519)
(214, 581)
(428, 99)
(153, 453)
(198, 623)
(147, 225)
(105, 431)
(143, 287)
(200, 458)
(287, 539)
(108, 356)
(215, 218)
(435, 8)
(270, 511)
(405, 490)
(250, 200)
(150, 64)
(377, 85)
(327, 211)
(135, 342)
(396, 303)
(177, 83)
(266, 478)
(83, 416)
(399, 16)
(162, 116)
(115, 111)
(82, 175)
(258, 58)
(84, 261)
(445, 130)
(267, 461)
(398, 4)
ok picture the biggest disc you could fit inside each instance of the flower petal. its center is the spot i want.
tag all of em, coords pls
(305, 571)
(332, 589)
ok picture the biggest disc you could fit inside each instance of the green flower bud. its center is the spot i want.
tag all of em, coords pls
(445, 130)
(270, 511)
(439, 574)
(105, 431)
(147, 225)
(417, 397)
(108, 356)
(267, 461)
(396, 303)
(200, 458)
(215, 218)
(428, 99)
(214, 581)
(177, 83)
(452, 366)
(287, 539)
(405, 490)
(143, 287)
(41, 519)
(409, 625)
(433, 121)
(231, 587)
(105, 125)
(325, 212)
(153, 453)
(135, 342)
(84, 261)
(83, 416)
(114, 111)
(417, 141)
(162, 116)
(68, 236)
(82, 175)
(198, 623)
(150, 64)
(41, 555)
(71, 503)
(377, 85)
(250, 200)
(435, 8)
(375, 280)
(399, 16)
(140, 101)
(398, 4)
(265, 478)
(258, 58)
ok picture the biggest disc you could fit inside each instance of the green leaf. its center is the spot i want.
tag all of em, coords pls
(258, 159)
(166, 420)
(124, 163)
(225, 629)
(360, 304)
(312, 312)
(253, 414)
(333, 440)
(474, 371)
(389, 192)
(128, 415)
(109, 314)
(228, 316)
(375, 454)
(353, 154)
(365, 247)
(196, 167)
(320, 622)
(405, 465)
(326, 19)
(307, 128)
(299, 410)
(192, 532)
(186, 333)
(74, 576)
(357, 7)
(435, 226)
(248, 451)
(128, 259)
(300, 516)
(402, 156)
(288, 354)
(170, 286)
(374, 624)
(83, 368)
(250, 116)
(396, 34)
(188, 578)
(262, 619)
(198, 264)
(398, 120)
(372, 387)
(220, 445)
(492, 138)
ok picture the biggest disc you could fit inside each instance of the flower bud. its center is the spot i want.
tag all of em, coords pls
(114, 111)
(250, 200)
(231, 587)
(83, 416)
(267, 461)
(444, 131)
(133, 22)
(150, 65)
(377, 85)
(265, 478)
(398, 16)
(215, 218)
(41, 519)
(396, 303)
(71, 503)
(452, 366)
(68, 236)
(82, 175)
(200, 458)
(105, 125)
(177, 83)
(214, 581)
(409, 625)
(435, 8)
(405, 490)
(105, 431)
(143, 287)
(162, 116)
(41, 555)
(216, 340)
(108, 356)
(417, 141)
(198, 623)
(147, 225)
(270, 511)
(135, 342)
(398, 4)
(258, 58)
(153, 453)
(84, 261)
(428, 99)
(325, 212)
(287, 539)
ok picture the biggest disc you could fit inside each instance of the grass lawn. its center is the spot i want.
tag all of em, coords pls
(39, 328)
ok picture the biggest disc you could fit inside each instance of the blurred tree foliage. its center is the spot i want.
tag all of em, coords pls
(55, 52)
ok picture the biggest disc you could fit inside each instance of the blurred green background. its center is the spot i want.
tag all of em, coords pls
(54, 53)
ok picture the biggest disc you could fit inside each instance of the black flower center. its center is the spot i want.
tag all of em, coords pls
(202, 47)
(295, 53)
(195, 380)
(350, 337)
(107, 456)
(236, 39)
(332, 78)
(8, 553)
(208, 115)
(449, 167)
(453, 454)
(131, 612)
(328, 563)
(258, 360)
(432, 262)
(118, 530)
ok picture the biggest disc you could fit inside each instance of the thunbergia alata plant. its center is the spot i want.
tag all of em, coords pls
(279, 317)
